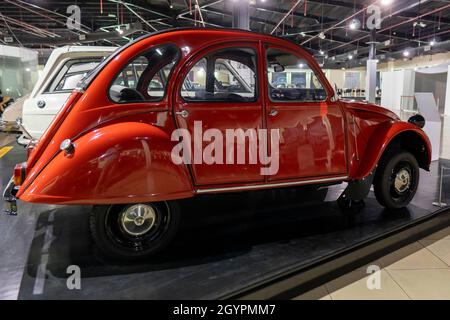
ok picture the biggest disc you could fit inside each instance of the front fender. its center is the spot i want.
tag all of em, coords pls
(119, 163)
(385, 135)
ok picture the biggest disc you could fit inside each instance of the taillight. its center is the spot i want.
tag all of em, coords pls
(20, 173)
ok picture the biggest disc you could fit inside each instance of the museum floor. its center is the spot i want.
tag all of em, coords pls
(419, 271)
(218, 255)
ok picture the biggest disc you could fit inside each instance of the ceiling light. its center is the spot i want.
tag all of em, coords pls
(350, 57)
(406, 53)
(301, 65)
(321, 52)
(354, 24)
(433, 42)
(386, 2)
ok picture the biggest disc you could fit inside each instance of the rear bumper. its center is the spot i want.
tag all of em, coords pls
(9, 197)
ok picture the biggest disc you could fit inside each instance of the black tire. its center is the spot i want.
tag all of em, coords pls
(396, 180)
(116, 239)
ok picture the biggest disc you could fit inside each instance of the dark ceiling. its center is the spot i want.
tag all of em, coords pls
(407, 24)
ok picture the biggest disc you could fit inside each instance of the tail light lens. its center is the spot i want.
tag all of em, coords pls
(20, 173)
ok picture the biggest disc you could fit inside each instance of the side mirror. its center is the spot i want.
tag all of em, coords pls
(418, 121)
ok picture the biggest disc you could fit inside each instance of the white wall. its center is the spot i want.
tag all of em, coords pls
(394, 85)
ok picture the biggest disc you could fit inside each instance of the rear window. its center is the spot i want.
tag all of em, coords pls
(145, 78)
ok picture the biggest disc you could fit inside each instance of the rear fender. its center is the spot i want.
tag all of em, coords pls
(393, 134)
(119, 163)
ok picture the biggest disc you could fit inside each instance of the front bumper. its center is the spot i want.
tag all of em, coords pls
(10, 200)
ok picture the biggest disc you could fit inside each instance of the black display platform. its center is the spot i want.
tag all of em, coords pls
(230, 246)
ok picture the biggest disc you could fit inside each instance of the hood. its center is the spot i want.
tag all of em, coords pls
(363, 106)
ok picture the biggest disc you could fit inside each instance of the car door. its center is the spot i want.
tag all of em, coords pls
(312, 128)
(218, 93)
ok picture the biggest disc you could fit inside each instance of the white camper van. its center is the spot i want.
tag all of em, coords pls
(64, 68)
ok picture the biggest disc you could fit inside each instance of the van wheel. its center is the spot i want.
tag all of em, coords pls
(136, 231)
(397, 179)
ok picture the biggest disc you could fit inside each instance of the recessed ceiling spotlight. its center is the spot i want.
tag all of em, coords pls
(354, 24)
(386, 2)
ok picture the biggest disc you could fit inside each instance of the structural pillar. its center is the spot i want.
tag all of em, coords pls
(447, 95)
(241, 15)
(372, 63)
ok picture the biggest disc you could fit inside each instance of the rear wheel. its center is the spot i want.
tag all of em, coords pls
(397, 179)
(134, 232)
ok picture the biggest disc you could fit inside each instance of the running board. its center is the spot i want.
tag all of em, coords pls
(272, 185)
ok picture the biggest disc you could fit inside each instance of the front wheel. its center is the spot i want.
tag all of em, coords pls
(134, 232)
(397, 179)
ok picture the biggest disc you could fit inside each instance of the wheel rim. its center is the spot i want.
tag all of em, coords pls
(137, 220)
(137, 227)
(402, 181)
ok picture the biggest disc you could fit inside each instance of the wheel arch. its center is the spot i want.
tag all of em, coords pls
(412, 142)
(397, 135)
(116, 164)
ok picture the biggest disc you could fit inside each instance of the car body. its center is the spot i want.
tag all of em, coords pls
(63, 70)
(111, 145)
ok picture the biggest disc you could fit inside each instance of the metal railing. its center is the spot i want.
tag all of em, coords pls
(440, 203)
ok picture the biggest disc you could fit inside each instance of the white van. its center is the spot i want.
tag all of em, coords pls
(63, 70)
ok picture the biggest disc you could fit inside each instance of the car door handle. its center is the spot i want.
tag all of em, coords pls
(273, 113)
(183, 113)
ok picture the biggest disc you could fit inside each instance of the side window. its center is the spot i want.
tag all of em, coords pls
(70, 74)
(228, 75)
(291, 79)
(145, 78)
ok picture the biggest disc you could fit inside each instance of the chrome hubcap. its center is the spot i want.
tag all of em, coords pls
(138, 219)
(402, 181)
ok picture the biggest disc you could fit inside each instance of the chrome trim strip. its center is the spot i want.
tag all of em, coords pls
(273, 185)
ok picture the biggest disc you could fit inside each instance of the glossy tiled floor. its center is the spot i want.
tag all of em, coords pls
(420, 271)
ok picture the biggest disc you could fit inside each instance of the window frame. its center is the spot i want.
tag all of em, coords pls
(223, 47)
(315, 70)
(69, 62)
(143, 53)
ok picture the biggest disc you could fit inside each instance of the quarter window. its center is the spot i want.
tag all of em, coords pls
(228, 75)
(70, 74)
(291, 79)
(146, 77)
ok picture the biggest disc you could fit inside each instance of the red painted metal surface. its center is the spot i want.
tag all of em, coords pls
(122, 151)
